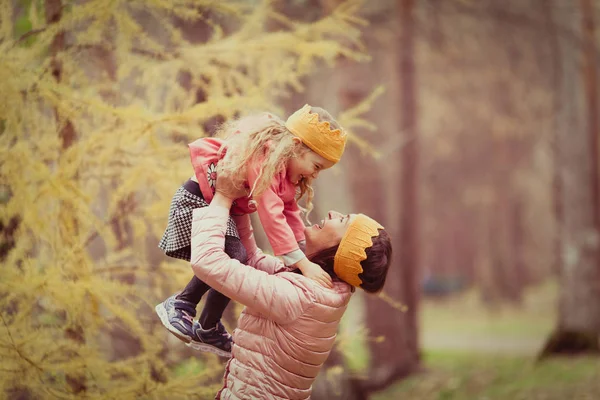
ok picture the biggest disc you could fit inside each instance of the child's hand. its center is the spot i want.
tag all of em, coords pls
(315, 272)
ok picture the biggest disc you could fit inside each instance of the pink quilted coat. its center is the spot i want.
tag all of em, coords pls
(289, 324)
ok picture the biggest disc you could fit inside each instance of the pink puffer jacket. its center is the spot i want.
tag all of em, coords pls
(288, 327)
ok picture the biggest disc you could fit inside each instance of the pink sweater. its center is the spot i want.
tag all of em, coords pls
(277, 207)
(288, 327)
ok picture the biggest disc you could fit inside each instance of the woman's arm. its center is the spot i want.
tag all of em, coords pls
(275, 297)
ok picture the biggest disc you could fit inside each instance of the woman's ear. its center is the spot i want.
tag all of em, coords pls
(297, 140)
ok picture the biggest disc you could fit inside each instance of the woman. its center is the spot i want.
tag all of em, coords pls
(289, 325)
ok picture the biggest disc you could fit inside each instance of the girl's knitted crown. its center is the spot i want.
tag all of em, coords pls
(318, 136)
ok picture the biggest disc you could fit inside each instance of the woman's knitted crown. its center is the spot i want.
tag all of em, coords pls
(352, 248)
(318, 136)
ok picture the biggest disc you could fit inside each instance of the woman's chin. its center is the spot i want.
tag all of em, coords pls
(309, 231)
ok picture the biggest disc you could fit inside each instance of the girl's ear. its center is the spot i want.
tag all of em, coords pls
(298, 146)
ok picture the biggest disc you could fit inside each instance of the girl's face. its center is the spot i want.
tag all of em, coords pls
(306, 165)
(328, 232)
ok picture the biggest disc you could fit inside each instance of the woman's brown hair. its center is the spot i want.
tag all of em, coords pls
(375, 266)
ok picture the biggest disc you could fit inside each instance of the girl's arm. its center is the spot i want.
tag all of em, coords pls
(271, 213)
(275, 297)
(283, 241)
(293, 216)
(244, 228)
(256, 258)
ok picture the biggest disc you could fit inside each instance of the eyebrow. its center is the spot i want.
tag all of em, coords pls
(347, 219)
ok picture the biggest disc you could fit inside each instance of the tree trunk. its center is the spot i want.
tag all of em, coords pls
(409, 249)
(578, 325)
(557, 189)
(591, 71)
(397, 355)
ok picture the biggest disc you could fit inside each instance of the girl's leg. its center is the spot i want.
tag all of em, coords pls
(194, 291)
(216, 303)
(178, 311)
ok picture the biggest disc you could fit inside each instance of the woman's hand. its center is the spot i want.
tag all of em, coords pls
(228, 187)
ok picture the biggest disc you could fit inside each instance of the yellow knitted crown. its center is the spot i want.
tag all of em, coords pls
(318, 136)
(351, 251)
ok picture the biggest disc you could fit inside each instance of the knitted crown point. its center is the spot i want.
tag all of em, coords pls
(318, 136)
(351, 251)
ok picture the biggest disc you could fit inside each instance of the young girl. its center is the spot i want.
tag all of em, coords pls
(277, 161)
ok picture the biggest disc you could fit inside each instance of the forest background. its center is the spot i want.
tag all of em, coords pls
(474, 137)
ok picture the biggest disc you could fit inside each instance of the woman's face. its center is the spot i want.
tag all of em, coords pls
(328, 232)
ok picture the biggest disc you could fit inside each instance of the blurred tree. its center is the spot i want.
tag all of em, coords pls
(408, 253)
(578, 327)
(99, 98)
(555, 83)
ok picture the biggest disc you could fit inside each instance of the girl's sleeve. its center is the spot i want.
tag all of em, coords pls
(293, 216)
(256, 258)
(245, 231)
(271, 213)
(265, 262)
(271, 295)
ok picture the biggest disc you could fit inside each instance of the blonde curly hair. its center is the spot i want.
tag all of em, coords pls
(265, 138)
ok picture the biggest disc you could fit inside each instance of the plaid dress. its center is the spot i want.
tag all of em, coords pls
(177, 237)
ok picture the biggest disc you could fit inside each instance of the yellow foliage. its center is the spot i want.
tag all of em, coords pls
(350, 119)
(77, 270)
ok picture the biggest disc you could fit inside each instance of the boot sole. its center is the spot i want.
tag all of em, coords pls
(207, 348)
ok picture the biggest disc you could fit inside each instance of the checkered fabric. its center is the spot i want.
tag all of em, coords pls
(177, 237)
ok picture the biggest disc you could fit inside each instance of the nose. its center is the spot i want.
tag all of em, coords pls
(315, 174)
(334, 214)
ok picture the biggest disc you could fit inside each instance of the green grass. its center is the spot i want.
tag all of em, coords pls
(454, 375)
(464, 323)
(472, 352)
